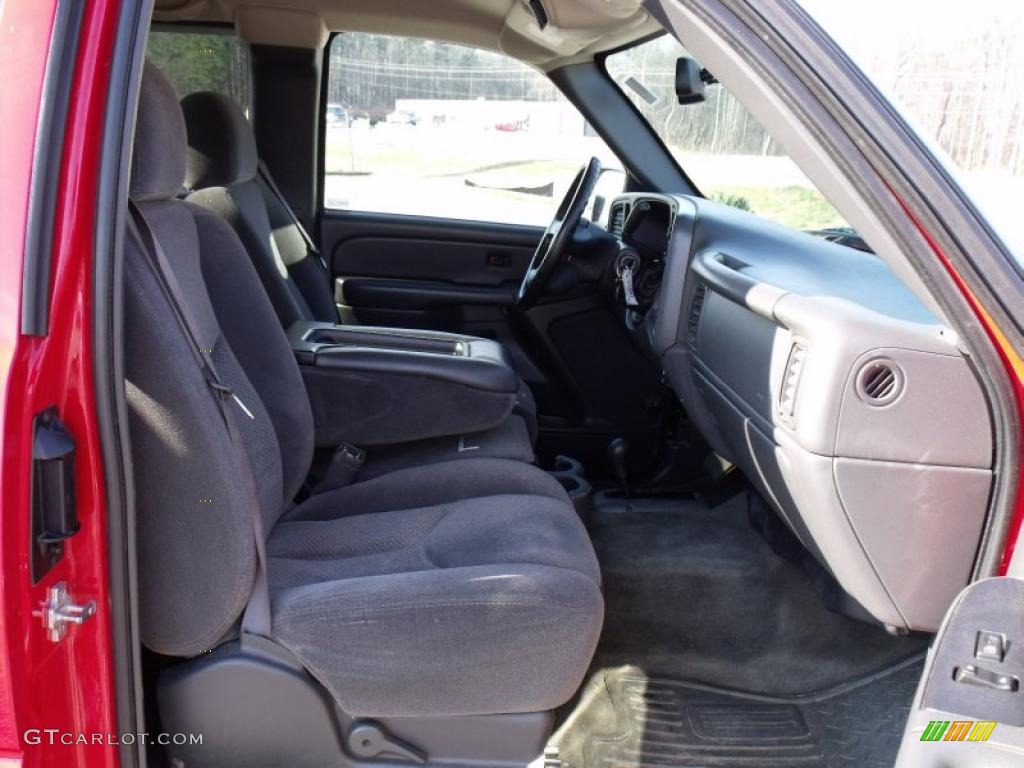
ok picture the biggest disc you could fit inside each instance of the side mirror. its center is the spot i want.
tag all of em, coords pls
(689, 85)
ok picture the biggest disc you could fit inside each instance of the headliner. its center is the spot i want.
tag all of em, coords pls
(577, 29)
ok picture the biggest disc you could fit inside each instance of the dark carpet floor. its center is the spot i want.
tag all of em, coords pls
(706, 628)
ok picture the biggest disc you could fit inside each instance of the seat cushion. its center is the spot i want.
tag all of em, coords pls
(452, 606)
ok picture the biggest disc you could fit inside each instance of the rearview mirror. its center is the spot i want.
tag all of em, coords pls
(690, 81)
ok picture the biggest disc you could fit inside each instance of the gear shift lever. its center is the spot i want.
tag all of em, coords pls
(618, 449)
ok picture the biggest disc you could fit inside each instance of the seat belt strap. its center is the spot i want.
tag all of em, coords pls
(256, 619)
(272, 185)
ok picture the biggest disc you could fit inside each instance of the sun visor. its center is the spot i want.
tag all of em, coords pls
(262, 25)
(567, 27)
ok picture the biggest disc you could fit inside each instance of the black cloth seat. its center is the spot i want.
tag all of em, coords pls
(442, 561)
(461, 587)
(224, 173)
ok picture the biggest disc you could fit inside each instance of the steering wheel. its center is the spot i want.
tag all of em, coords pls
(552, 246)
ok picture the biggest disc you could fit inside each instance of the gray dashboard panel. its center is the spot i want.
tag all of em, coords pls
(903, 514)
(890, 495)
(737, 346)
(940, 418)
(802, 264)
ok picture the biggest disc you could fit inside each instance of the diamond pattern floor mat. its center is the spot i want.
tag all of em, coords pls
(626, 720)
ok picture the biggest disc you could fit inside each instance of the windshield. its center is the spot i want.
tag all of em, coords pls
(722, 148)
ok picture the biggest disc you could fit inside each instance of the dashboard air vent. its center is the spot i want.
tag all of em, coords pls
(617, 218)
(790, 381)
(693, 320)
(879, 382)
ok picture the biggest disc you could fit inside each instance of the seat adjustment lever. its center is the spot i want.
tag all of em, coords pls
(370, 740)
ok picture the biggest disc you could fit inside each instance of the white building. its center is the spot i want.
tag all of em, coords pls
(535, 117)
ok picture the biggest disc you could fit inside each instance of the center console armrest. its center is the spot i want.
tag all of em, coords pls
(307, 337)
(483, 374)
(375, 386)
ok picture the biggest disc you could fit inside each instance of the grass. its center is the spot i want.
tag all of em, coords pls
(796, 207)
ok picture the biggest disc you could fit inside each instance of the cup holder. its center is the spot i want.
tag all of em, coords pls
(570, 473)
(568, 465)
(572, 483)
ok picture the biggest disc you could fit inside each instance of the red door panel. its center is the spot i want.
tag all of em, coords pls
(65, 685)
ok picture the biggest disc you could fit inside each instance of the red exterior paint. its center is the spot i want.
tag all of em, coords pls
(21, 29)
(67, 686)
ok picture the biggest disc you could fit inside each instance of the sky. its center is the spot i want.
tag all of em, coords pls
(868, 24)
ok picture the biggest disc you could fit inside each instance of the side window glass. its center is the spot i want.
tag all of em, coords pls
(203, 62)
(436, 129)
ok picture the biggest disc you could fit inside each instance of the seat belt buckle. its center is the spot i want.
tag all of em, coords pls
(350, 455)
(345, 465)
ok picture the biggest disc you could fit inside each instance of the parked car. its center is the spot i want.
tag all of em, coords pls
(337, 115)
(729, 476)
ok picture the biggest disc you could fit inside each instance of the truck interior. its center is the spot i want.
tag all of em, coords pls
(656, 481)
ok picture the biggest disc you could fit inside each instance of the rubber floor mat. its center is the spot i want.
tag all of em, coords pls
(625, 720)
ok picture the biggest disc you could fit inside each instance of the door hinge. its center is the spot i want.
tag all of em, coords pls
(54, 515)
(58, 611)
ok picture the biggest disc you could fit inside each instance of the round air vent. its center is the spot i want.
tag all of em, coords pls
(879, 382)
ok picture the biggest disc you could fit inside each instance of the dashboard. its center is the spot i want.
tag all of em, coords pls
(842, 398)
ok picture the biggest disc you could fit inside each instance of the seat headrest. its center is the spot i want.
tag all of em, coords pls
(158, 154)
(221, 144)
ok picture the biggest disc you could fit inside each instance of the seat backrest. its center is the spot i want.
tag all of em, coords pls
(223, 172)
(197, 557)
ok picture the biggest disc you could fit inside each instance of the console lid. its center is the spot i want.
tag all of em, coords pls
(376, 386)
